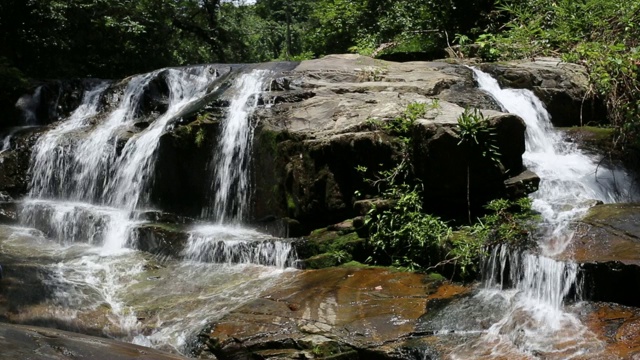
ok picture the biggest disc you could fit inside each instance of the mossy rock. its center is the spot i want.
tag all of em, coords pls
(323, 241)
(324, 261)
(592, 138)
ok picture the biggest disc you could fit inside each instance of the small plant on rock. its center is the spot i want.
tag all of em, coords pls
(478, 136)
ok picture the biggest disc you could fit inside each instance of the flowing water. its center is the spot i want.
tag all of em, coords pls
(230, 188)
(535, 324)
(90, 179)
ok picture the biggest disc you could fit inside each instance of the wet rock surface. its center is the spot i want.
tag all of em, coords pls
(14, 162)
(606, 244)
(32, 342)
(618, 326)
(337, 313)
(320, 119)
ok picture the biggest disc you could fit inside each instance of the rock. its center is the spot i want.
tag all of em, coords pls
(8, 212)
(319, 121)
(5, 197)
(328, 247)
(14, 163)
(452, 175)
(606, 244)
(522, 184)
(161, 239)
(562, 87)
(599, 140)
(314, 180)
(616, 325)
(317, 143)
(164, 217)
(333, 313)
(183, 176)
(32, 342)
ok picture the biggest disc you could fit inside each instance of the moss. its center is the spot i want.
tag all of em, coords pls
(322, 243)
(592, 137)
(435, 277)
(269, 140)
(200, 136)
(291, 205)
(322, 261)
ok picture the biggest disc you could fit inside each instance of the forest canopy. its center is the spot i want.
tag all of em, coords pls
(114, 38)
(42, 39)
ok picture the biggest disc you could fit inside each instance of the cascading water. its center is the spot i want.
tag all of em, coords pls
(571, 181)
(90, 176)
(229, 245)
(229, 194)
(230, 189)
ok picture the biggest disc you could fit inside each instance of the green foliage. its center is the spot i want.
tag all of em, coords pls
(476, 132)
(510, 222)
(403, 235)
(488, 49)
(12, 84)
(400, 126)
(200, 136)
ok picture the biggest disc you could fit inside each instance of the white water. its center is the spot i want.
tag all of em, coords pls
(230, 188)
(570, 179)
(231, 245)
(84, 194)
(134, 167)
(536, 324)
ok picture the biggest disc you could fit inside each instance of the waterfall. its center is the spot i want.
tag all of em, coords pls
(90, 176)
(230, 187)
(91, 168)
(229, 194)
(571, 182)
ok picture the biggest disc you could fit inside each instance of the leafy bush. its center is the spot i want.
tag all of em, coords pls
(510, 222)
(403, 235)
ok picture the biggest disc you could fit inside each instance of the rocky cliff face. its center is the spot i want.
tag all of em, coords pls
(318, 120)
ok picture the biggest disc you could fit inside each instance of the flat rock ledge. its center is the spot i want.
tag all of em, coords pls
(335, 313)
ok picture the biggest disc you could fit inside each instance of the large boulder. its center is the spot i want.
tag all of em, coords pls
(455, 176)
(319, 123)
(308, 146)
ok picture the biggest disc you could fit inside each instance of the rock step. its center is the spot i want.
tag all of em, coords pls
(606, 245)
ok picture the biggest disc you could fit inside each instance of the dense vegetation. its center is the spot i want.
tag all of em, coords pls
(115, 38)
(401, 234)
(603, 35)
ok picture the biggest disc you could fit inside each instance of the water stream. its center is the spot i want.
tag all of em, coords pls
(534, 286)
(90, 179)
